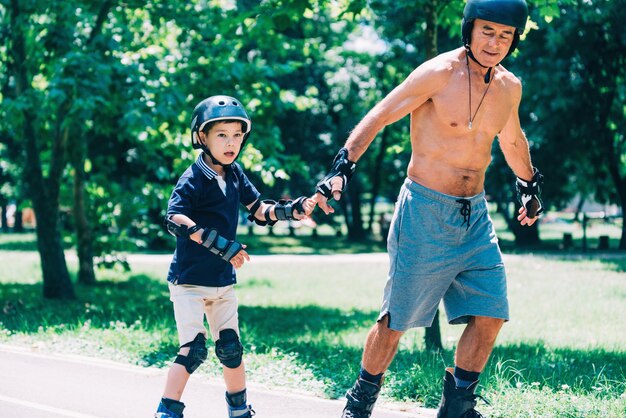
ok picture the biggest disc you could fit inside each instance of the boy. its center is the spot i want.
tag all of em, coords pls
(202, 213)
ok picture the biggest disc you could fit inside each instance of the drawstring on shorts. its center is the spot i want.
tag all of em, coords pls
(466, 211)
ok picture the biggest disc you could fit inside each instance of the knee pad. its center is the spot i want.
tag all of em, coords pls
(228, 349)
(196, 356)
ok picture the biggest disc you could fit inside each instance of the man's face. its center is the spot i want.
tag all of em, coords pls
(491, 41)
(224, 141)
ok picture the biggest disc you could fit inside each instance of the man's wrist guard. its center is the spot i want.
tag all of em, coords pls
(283, 210)
(342, 167)
(180, 230)
(222, 247)
(529, 193)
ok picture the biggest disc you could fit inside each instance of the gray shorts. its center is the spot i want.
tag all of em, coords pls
(442, 248)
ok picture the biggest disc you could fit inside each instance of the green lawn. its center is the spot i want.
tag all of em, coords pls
(304, 321)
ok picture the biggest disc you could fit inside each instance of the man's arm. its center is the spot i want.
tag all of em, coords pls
(414, 91)
(516, 152)
(513, 141)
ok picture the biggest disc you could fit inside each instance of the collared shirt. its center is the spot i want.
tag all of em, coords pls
(198, 196)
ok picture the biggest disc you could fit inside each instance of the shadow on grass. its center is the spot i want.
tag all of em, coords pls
(327, 342)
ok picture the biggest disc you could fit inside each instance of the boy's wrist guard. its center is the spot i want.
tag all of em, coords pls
(529, 193)
(222, 247)
(342, 167)
(283, 210)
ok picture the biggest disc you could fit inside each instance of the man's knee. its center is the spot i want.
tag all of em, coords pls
(487, 323)
(486, 326)
(385, 335)
(228, 348)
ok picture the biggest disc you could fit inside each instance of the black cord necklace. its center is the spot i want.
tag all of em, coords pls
(469, 83)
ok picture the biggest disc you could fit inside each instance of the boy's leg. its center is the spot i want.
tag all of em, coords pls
(189, 314)
(177, 378)
(223, 321)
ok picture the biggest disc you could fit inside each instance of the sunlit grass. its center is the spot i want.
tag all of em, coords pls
(304, 321)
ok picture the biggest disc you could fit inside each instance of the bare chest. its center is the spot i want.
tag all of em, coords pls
(479, 106)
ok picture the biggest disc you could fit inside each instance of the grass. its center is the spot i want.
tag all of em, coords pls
(304, 321)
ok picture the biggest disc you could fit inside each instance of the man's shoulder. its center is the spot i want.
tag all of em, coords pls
(443, 65)
(509, 81)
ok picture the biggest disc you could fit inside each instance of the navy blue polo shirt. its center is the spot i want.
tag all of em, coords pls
(198, 196)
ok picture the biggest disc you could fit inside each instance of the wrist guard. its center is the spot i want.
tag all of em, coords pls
(529, 193)
(283, 210)
(179, 230)
(266, 214)
(222, 247)
(342, 167)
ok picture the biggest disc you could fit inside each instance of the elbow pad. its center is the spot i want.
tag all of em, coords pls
(180, 230)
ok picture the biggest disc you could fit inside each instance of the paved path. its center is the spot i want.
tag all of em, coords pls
(37, 385)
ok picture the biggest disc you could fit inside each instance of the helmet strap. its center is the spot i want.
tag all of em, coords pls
(214, 160)
(471, 55)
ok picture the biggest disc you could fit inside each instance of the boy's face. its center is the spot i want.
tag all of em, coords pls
(224, 141)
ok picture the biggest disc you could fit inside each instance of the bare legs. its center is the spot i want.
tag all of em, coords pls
(177, 378)
(476, 343)
(472, 353)
(380, 347)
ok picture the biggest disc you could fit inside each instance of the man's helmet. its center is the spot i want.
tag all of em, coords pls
(506, 12)
(214, 109)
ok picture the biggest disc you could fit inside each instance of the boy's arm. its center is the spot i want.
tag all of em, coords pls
(181, 219)
(268, 212)
(229, 250)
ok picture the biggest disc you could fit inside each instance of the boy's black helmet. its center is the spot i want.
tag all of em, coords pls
(506, 12)
(214, 109)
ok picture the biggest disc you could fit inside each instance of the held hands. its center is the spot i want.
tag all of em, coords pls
(335, 182)
(336, 189)
(308, 205)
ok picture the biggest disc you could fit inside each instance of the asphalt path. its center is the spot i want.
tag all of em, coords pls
(41, 385)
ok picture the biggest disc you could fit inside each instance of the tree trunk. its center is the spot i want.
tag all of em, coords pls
(432, 338)
(44, 193)
(84, 235)
(525, 236)
(18, 221)
(56, 278)
(5, 220)
(354, 218)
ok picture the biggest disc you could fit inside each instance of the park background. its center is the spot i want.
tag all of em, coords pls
(95, 102)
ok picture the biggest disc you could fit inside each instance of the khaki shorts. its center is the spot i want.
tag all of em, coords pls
(193, 303)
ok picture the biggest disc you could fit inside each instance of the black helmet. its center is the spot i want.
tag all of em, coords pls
(216, 108)
(506, 12)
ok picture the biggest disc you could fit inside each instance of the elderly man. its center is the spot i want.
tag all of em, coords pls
(442, 244)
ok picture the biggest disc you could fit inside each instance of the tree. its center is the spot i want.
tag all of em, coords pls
(576, 113)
